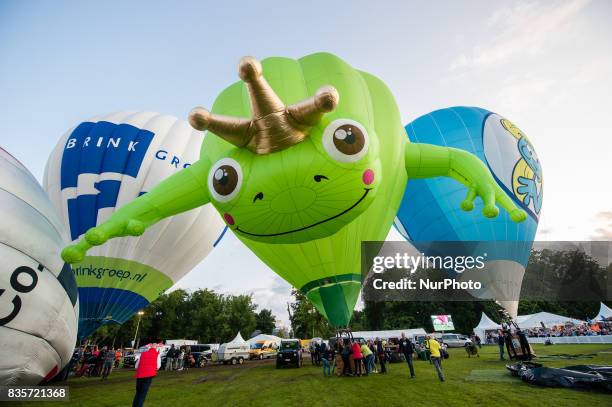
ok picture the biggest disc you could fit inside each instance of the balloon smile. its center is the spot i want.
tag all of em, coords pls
(366, 191)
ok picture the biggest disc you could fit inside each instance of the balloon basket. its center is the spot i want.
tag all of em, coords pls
(516, 341)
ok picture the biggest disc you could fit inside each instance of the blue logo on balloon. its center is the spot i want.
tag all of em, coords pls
(430, 209)
(108, 150)
(528, 187)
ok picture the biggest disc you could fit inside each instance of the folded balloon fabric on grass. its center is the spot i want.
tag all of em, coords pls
(594, 377)
(304, 159)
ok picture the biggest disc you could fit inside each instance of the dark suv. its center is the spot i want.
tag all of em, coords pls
(289, 353)
(201, 354)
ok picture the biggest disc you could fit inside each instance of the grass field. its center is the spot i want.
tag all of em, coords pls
(470, 382)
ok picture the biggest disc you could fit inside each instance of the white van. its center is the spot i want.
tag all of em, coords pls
(455, 340)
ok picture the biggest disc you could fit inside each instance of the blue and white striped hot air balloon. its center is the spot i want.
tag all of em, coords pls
(430, 209)
(102, 164)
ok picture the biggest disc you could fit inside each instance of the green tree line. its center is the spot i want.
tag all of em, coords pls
(201, 315)
(209, 317)
(555, 275)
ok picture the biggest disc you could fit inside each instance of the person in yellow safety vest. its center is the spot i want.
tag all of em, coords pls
(434, 349)
(368, 358)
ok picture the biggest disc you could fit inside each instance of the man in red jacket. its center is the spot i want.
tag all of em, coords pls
(146, 369)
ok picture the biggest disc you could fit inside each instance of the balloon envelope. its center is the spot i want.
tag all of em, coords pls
(104, 163)
(324, 266)
(38, 299)
(430, 209)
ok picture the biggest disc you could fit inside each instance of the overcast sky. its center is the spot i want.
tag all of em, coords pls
(545, 65)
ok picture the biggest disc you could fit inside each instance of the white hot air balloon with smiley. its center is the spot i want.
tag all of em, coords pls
(38, 292)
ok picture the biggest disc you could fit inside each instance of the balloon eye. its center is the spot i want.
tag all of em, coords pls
(225, 179)
(345, 140)
(349, 139)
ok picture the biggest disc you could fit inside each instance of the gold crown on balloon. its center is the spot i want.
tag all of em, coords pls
(273, 126)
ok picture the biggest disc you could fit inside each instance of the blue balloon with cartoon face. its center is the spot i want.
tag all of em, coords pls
(430, 209)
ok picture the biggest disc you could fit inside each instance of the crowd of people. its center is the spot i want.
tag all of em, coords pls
(180, 358)
(91, 361)
(584, 329)
(357, 357)
(568, 329)
(346, 357)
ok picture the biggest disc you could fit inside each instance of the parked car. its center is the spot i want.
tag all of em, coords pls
(289, 353)
(202, 354)
(129, 358)
(455, 340)
(163, 351)
(263, 350)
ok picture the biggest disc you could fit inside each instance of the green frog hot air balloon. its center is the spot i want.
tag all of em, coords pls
(310, 159)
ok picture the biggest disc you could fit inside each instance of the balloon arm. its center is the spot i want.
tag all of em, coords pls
(179, 193)
(428, 161)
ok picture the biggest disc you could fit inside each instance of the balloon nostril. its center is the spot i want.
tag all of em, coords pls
(368, 176)
(228, 218)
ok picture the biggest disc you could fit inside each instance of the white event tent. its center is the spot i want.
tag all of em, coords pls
(525, 322)
(536, 320)
(395, 333)
(485, 324)
(238, 340)
(604, 313)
